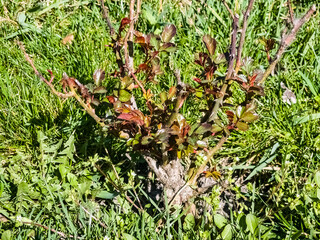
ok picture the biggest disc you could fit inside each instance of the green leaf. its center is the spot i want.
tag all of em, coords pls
(189, 222)
(242, 126)
(249, 116)
(127, 236)
(124, 95)
(210, 43)
(149, 15)
(239, 111)
(146, 140)
(107, 195)
(317, 178)
(252, 222)
(163, 97)
(168, 33)
(23, 188)
(6, 235)
(318, 193)
(204, 127)
(155, 41)
(296, 235)
(216, 128)
(220, 221)
(100, 89)
(299, 120)
(227, 232)
(21, 18)
(168, 47)
(63, 170)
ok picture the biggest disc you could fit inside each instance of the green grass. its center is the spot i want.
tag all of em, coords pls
(49, 148)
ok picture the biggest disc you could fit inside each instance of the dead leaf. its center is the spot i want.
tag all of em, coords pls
(68, 39)
(288, 96)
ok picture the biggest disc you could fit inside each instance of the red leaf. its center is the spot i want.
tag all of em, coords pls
(197, 80)
(143, 67)
(111, 99)
(140, 40)
(125, 21)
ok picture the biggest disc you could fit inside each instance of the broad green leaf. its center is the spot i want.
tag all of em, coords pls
(146, 140)
(168, 47)
(23, 188)
(127, 236)
(106, 195)
(249, 116)
(227, 232)
(189, 222)
(6, 235)
(155, 41)
(149, 15)
(242, 126)
(100, 89)
(216, 128)
(317, 178)
(204, 127)
(220, 221)
(21, 18)
(318, 193)
(124, 96)
(252, 222)
(163, 97)
(168, 33)
(210, 43)
(239, 111)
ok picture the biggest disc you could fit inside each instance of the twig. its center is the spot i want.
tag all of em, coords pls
(229, 10)
(286, 40)
(29, 60)
(52, 230)
(243, 35)
(139, 83)
(291, 12)
(105, 16)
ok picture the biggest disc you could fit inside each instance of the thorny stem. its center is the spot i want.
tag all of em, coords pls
(286, 40)
(128, 50)
(72, 93)
(209, 155)
(232, 54)
(243, 35)
(90, 111)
